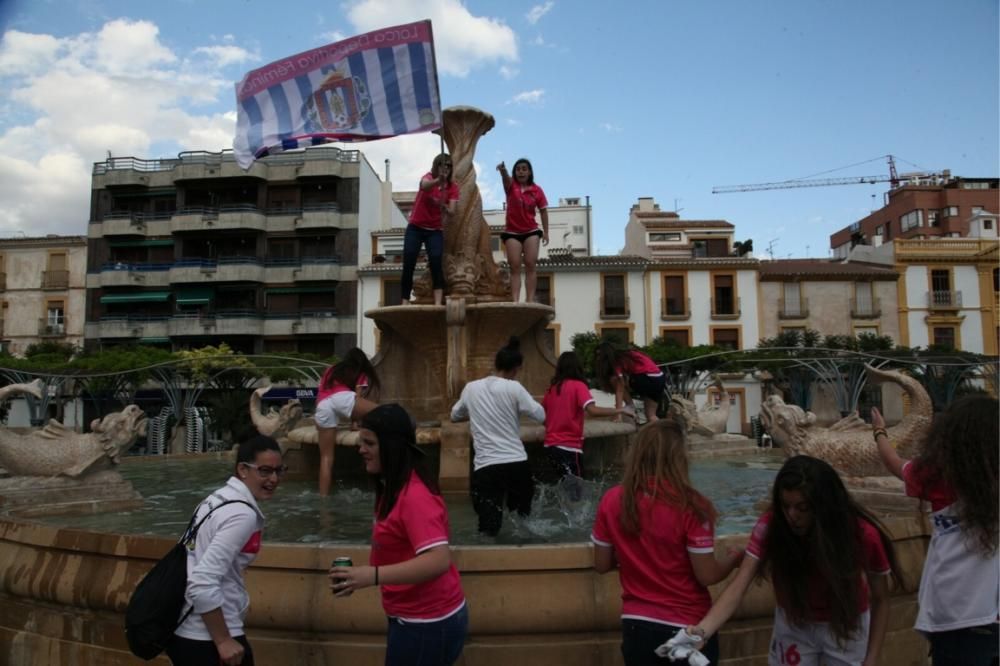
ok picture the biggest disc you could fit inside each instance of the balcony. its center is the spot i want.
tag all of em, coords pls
(675, 309)
(322, 321)
(324, 216)
(235, 216)
(220, 323)
(944, 300)
(726, 308)
(55, 279)
(614, 308)
(128, 326)
(51, 329)
(795, 309)
(866, 308)
(121, 274)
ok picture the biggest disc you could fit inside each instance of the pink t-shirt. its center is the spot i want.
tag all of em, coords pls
(565, 407)
(874, 560)
(426, 212)
(417, 522)
(336, 387)
(658, 582)
(637, 363)
(521, 207)
(922, 483)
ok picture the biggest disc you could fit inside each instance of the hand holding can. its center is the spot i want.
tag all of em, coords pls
(339, 578)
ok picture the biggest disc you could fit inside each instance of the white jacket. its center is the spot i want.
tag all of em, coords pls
(225, 546)
(494, 406)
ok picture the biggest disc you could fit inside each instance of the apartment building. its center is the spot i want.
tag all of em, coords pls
(924, 208)
(193, 250)
(42, 291)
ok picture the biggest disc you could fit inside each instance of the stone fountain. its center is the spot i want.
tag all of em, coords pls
(63, 590)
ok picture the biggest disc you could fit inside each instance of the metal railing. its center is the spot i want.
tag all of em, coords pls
(944, 300)
(726, 308)
(49, 329)
(675, 308)
(216, 159)
(614, 308)
(55, 279)
(797, 309)
(865, 307)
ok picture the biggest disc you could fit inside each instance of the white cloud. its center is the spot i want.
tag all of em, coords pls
(512, 122)
(508, 72)
(528, 97)
(462, 41)
(117, 89)
(538, 11)
(611, 127)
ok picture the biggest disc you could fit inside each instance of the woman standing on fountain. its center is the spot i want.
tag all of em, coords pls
(343, 394)
(625, 372)
(225, 545)
(437, 198)
(659, 531)
(522, 234)
(956, 470)
(829, 561)
(410, 559)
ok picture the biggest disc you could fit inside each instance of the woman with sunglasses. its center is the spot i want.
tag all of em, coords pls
(436, 201)
(216, 598)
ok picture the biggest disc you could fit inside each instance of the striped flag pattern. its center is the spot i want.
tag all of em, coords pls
(372, 86)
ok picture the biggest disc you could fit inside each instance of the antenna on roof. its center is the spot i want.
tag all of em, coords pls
(770, 247)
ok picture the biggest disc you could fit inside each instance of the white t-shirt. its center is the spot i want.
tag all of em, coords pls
(494, 406)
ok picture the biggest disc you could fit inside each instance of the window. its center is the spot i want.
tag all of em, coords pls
(975, 186)
(864, 302)
(944, 336)
(391, 292)
(866, 330)
(949, 211)
(674, 300)
(878, 230)
(681, 337)
(571, 201)
(987, 224)
(996, 280)
(549, 337)
(941, 286)
(578, 229)
(281, 248)
(792, 292)
(911, 220)
(976, 210)
(888, 230)
(660, 237)
(726, 338)
(614, 301)
(933, 218)
(55, 318)
(724, 297)
(615, 334)
(543, 290)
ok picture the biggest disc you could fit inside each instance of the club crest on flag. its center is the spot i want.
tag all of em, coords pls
(372, 86)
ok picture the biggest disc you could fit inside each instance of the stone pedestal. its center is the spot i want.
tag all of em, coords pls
(100, 492)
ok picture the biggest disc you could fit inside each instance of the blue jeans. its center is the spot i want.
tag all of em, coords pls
(641, 638)
(972, 646)
(427, 643)
(412, 240)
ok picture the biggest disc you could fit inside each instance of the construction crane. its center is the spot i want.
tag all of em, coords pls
(893, 178)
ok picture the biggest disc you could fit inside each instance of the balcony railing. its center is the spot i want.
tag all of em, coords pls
(865, 308)
(216, 159)
(614, 308)
(944, 300)
(675, 308)
(49, 329)
(726, 308)
(55, 279)
(795, 309)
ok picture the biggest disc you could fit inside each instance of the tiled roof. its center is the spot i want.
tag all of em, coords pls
(819, 269)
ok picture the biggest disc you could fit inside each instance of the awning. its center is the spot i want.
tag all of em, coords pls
(299, 290)
(148, 242)
(195, 296)
(137, 297)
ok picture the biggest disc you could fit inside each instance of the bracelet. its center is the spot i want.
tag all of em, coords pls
(376, 576)
(879, 431)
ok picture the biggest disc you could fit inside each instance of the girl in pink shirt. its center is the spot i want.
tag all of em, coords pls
(343, 395)
(437, 200)
(628, 373)
(410, 559)
(566, 402)
(660, 533)
(521, 235)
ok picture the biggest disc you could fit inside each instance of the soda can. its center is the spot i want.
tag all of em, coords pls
(343, 562)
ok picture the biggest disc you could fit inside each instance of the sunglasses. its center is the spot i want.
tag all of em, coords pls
(266, 471)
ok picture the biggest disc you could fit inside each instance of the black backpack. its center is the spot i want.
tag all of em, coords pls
(152, 612)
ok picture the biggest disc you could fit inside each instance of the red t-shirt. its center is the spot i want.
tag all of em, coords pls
(417, 522)
(920, 481)
(565, 407)
(874, 560)
(637, 363)
(521, 207)
(658, 582)
(426, 212)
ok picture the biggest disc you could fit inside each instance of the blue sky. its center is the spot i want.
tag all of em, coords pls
(664, 99)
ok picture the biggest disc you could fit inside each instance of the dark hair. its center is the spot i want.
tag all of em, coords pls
(509, 357)
(832, 549)
(443, 158)
(607, 357)
(349, 369)
(567, 367)
(531, 169)
(247, 451)
(656, 466)
(961, 451)
(398, 455)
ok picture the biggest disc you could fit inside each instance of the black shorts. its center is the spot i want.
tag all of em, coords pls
(520, 238)
(647, 387)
